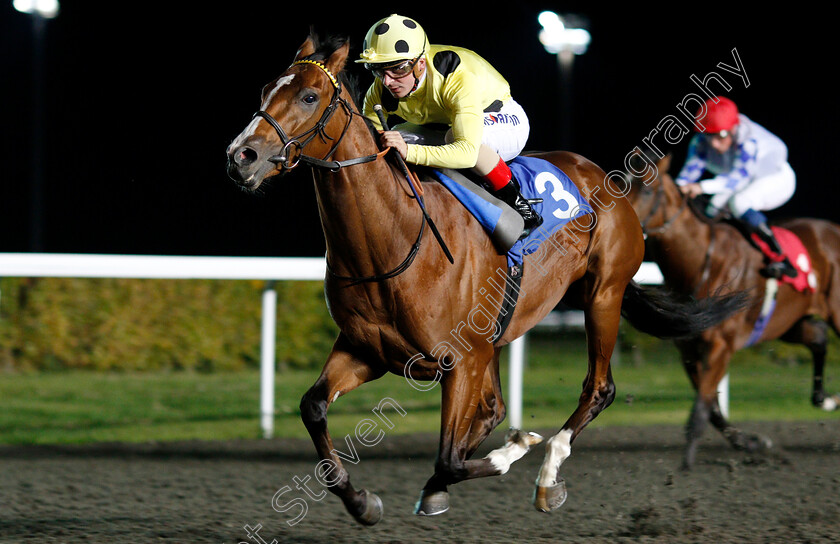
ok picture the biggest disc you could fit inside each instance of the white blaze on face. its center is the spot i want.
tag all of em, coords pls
(557, 449)
(252, 126)
(282, 82)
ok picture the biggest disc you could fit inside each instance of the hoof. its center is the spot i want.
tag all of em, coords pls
(547, 499)
(373, 509)
(830, 404)
(432, 503)
(754, 443)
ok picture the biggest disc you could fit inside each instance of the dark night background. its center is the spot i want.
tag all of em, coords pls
(140, 102)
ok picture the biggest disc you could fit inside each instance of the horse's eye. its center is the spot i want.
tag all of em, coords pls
(310, 99)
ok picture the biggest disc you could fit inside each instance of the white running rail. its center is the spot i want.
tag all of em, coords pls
(269, 269)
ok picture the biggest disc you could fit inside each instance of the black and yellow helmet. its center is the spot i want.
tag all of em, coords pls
(393, 39)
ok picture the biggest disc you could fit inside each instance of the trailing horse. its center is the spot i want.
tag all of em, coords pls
(403, 308)
(698, 256)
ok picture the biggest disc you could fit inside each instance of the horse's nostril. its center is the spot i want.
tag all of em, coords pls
(245, 156)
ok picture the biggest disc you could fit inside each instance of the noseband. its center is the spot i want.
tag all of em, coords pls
(292, 153)
(658, 196)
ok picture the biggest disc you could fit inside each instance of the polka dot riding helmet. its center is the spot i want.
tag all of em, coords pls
(393, 39)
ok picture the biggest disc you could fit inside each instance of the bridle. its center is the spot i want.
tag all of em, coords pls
(292, 153)
(658, 196)
(296, 144)
(657, 201)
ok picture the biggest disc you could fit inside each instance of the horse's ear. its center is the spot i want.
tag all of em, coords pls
(664, 163)
(338, 59)
(308, 48)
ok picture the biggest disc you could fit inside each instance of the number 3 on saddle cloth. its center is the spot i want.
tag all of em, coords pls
(558, 201)
(806, 280)
(557, 198)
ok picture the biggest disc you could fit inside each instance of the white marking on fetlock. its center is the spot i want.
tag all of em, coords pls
(829, 404)
(513, 450)
(503, 457)
(531, 439)
(557, 449)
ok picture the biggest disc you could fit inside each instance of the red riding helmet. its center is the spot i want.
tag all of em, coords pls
(721, 116)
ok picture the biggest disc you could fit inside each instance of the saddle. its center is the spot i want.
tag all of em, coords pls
(553, 194)
(805, 280)
(796, 253)
(792, 247)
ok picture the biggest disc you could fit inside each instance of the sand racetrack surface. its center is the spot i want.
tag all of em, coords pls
(624, 484)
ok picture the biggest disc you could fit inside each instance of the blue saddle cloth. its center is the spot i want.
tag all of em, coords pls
(538, 178)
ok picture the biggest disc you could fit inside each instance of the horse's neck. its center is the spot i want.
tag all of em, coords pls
(367, 217)
(681, 250)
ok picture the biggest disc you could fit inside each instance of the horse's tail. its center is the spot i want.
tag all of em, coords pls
(663, 313)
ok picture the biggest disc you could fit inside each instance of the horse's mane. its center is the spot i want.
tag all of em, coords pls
(325, 46)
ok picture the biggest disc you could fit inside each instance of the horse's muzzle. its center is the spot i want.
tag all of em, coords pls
(246, 168)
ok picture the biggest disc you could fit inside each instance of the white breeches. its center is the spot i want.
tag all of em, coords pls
(506, 131)
(763, 193)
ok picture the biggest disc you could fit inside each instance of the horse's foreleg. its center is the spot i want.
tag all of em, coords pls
(491, 412)
(695, 359)
(460, 398)
(471, 408)
(602, 320)
(706, 365)
(342, 373)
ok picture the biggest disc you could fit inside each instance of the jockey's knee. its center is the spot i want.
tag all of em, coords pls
(487, 160)
(740, 204)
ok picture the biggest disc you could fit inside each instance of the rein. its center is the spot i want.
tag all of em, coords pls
(660, 192)
(706, 269)
(294, 144)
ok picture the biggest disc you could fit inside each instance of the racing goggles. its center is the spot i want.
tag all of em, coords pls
(395, 71)
(719, 135)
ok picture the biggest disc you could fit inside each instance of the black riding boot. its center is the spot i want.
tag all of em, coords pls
(510, 195)
(775, 269)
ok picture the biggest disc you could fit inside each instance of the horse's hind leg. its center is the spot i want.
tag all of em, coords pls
(602, 320)
(813, 333)
(342, 373)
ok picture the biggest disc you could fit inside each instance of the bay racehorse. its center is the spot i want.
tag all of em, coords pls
(402, 307)
(697, 256)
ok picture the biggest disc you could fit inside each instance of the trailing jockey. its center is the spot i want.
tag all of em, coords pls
(750, 174)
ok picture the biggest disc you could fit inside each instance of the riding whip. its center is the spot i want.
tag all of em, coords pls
(404, 168)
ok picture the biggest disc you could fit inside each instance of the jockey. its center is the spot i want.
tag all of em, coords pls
(749, 168)
(431, 86)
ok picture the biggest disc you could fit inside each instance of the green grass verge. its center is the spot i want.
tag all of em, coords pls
(79, 406)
